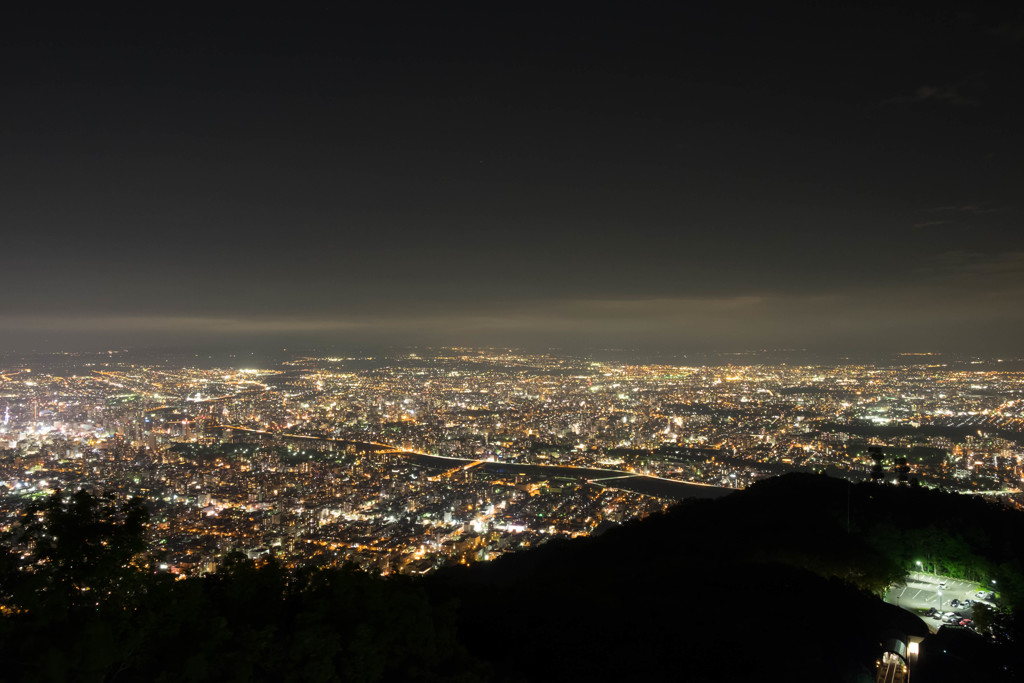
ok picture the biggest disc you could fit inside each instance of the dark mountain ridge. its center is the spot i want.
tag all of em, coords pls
(781, 580)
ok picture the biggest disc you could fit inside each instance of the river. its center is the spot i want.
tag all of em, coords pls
(652, 486)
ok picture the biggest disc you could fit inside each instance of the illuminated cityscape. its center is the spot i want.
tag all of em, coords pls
(512, 342)
(409, 461)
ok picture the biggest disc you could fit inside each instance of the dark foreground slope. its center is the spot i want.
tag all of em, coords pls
(776, 582)
(780, 579)
(763, 581)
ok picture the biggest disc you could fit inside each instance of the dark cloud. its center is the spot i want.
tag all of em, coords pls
(949, 94)
(1011, 30)
(974, 209)
(941, 94)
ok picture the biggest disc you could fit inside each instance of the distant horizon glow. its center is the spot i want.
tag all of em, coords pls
(911, 318)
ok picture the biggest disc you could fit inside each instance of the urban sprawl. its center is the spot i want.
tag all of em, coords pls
(407, 462)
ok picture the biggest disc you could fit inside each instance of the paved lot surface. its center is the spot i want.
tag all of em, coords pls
(928, 590)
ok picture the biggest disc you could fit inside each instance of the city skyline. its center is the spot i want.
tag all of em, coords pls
(410, 462)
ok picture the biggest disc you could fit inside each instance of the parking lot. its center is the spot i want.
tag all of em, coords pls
(923, 591)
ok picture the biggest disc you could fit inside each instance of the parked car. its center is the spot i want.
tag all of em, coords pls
(954, 603)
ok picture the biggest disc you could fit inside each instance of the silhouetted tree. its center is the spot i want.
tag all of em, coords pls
(878, 469)
(255, 621)
(902, 471)
(77, 548)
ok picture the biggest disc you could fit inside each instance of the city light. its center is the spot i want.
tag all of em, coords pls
(462, 455)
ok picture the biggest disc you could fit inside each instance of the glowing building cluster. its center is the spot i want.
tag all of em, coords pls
(406, 462)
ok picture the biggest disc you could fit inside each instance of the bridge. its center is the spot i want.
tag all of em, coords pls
(598, 476)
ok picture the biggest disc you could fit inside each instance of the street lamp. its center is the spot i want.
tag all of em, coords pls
(940, 600)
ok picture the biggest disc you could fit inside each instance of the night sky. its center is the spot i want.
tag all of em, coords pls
(594, 175)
